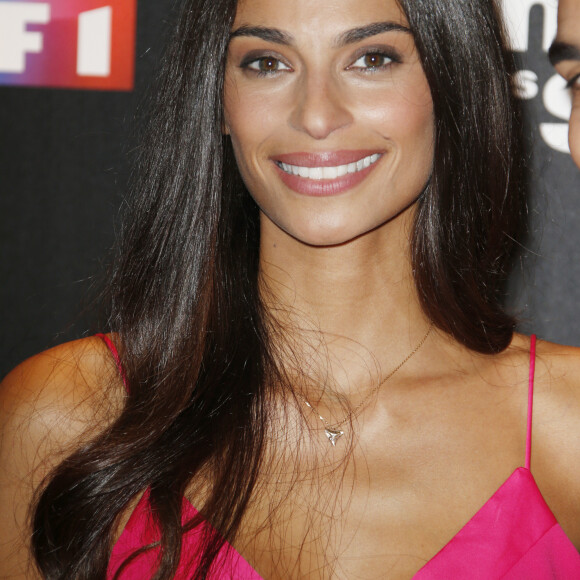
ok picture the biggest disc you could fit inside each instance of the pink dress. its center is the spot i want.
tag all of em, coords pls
(513, 536)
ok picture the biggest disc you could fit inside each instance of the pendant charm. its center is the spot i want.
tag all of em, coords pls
(333, 435)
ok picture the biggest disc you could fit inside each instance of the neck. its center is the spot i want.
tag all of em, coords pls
(350, 312)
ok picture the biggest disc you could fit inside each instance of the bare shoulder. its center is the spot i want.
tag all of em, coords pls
(557, 399)
(556, 432)
(63, 391)
(557, 381)
(49, 405)
(557, 366)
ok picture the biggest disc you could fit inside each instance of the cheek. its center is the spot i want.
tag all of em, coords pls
(250, 122)
(250, 111)
(415, 118)
(240, 125)
(574, 136)
(413, 128)
(404, 114)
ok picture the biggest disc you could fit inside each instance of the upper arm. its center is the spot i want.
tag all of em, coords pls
(49, 405)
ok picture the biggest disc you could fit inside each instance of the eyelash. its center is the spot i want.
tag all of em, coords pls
(251, 60)
(252, 63)
(573, 81)
(388, 56)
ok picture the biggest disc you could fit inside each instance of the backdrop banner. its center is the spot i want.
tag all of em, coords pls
(64, 163)
(545, 286)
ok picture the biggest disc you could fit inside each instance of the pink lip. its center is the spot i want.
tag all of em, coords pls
(324, 187)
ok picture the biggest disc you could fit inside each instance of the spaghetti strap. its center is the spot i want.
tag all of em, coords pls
(530, 401)
(113, 349)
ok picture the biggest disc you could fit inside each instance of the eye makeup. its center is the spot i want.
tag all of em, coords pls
(574, 83)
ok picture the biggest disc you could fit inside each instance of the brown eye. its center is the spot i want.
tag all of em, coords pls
(265, 65)
(374, 60)
(268, 64)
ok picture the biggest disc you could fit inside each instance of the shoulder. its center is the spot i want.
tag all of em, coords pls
(560, 360)
(556, 432)
(49, 406)
(63, 390)
(557, 385)
(557, 366)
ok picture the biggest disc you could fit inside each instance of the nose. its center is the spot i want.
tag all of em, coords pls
(320, 107)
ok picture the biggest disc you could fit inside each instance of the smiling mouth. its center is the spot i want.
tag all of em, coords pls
(320, 173)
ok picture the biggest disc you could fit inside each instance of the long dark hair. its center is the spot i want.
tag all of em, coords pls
(190, 322)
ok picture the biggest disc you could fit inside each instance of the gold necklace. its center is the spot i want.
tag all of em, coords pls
(333, 430)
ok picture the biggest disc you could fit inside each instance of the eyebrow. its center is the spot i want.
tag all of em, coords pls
(268, 34)
(278, 36)
(362, 32)
(561, 51)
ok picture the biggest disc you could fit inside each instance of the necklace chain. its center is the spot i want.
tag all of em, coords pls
(332, 430)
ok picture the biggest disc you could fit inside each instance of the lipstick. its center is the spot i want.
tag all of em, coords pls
(327, 173)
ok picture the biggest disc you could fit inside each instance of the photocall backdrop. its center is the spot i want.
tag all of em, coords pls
(72, 76)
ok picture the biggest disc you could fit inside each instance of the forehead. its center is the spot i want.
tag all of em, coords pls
(320, 15)
(569, 21)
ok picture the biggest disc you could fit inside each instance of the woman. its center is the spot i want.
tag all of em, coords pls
(307, 323)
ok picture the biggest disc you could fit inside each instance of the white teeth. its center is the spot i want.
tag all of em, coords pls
(315, 173)
(329, 172)
(318, 173)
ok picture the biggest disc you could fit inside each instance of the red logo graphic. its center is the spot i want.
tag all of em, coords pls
(85, 44)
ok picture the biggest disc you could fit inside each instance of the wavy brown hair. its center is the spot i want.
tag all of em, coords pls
(193, 331)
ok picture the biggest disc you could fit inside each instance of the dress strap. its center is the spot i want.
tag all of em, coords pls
(111, 346)
(530, 401)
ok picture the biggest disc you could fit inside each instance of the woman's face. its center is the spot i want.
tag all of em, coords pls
(565, 54)
(330, 114)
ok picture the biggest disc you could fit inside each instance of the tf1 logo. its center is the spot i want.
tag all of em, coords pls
(84, 44)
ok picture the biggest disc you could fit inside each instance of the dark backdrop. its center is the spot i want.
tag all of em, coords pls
(64, 166)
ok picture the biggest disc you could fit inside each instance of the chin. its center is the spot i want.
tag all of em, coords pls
(328, 237)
